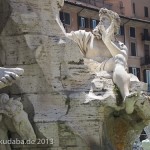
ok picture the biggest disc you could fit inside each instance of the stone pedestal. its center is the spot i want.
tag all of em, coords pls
(55, 88)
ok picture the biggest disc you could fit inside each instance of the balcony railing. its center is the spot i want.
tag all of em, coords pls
(145, 60)
(145, 37)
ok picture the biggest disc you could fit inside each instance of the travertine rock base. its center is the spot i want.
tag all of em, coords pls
(55, 88)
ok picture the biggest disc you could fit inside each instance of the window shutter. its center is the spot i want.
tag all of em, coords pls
(144, 75)
(130, 69)
(61, 15)
(121, 30)
(67, 18)
(138, 73)
(132, 32)
(86, 23)
(146, 34)
(133, 49)
(79, 21)
(91, 24)
(133, 5)
(146, 11)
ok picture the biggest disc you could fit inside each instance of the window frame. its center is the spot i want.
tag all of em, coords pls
(132, 50)
(136, 71)
(62, 16)
(146, 53)
(120, 31)
(148, 78)
(83, 22)
(134, 32)
(65, 13)
(94, 23)
(82, 25)
(133, 8)
(146, 14)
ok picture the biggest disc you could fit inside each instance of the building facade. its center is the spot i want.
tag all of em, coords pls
(134, 30)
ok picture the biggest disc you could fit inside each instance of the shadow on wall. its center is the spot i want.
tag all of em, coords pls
(94, 146)
(5, 11)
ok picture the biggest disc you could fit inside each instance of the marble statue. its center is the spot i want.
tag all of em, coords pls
(110, 54)
(9, 75)
(13, 118)
(68, 74)
(59, 81)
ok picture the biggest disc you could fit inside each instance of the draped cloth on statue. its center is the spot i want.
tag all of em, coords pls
(82, 38)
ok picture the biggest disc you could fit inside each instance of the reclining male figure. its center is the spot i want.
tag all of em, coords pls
(112, 55)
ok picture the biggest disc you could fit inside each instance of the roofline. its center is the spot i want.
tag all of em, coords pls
(135, 19)
(96, 9)
(75, 4)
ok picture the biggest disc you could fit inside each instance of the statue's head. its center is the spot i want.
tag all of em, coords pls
(9, 106)
(106, 17)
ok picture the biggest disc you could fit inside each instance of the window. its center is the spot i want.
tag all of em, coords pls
(65, 17)
(93, 23)
(135, 71)
(133, 5)
(121, 30)
(147, 78)
(133, 49)
(146, 11)
(83, 22)
(146, 34)
(132, 32)
(146, 49)
(147, 54)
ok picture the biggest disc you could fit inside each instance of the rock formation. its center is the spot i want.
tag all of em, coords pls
(80, 109)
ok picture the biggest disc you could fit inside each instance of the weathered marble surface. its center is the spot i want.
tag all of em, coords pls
(56, 84)
(13, 119)
(146, 144)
